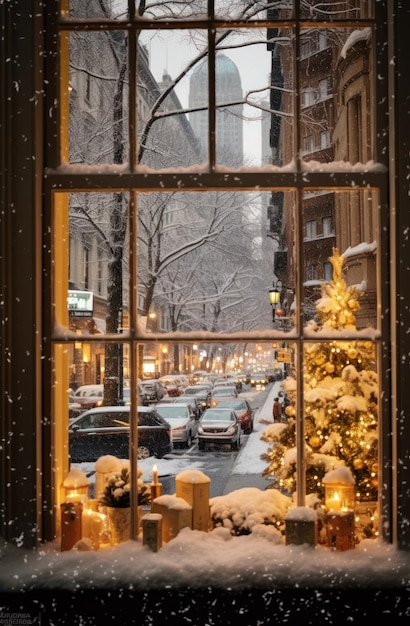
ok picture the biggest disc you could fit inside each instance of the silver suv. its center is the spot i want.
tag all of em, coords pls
(183, 422)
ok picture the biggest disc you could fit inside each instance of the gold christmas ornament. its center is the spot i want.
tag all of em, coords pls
(352, 353)
(314, 441)
(330, 368)
(290, 411)
(320, 359)
(358, 464)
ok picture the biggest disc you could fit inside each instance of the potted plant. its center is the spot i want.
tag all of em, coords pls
(116, 500)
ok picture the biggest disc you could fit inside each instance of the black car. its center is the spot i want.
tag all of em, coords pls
(105, 430)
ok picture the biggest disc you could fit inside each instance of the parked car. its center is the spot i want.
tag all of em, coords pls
(126, 395)
(172, 385)
(183, 421)
(197, 376)
(223, 393)
(219, 426)
(88, 396)
(105, 430)
(193, 401)
(74, 408)
(202, 393)
(243, 410)
(153, 390)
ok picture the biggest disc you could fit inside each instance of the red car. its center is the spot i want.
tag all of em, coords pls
(243, 410)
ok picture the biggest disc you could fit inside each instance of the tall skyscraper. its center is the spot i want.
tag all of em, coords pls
(229, 119)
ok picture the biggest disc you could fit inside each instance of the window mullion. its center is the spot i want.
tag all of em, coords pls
(211, 90)
(132, 97)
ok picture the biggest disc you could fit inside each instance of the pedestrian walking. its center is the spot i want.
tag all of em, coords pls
(277, 410)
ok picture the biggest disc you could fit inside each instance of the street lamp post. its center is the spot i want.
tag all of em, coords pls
(274, 296)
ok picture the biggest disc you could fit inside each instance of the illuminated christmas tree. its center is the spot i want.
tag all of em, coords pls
(340, 400)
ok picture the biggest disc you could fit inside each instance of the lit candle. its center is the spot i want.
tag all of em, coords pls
(86, 522)
(92, 525)
(154, 475)
(76, 496)
(333, 504)
(96, 528)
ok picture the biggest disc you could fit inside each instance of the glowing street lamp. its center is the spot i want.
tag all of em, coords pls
(274, 296)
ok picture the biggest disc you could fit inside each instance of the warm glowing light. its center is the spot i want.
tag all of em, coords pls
(154, 475)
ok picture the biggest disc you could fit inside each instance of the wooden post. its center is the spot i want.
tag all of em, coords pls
(340, 530)
(176, 514)
(71, 524)
(152, 531)
(301, 526)
(193, 487)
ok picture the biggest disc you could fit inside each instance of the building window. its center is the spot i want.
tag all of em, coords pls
(308, 97)
(325, 139)
(305, 48)
(311, 229)
(322, 40)
(323, 88)
(311, 272)
(308, 143)
(327, 227)
(327, 272)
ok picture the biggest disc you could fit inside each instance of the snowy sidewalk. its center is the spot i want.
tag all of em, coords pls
(249, 457)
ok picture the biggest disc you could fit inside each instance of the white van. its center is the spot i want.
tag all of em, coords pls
(89, 396)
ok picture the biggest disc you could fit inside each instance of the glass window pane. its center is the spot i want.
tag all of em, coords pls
(346, 222)
(253, 10)
(341, 423)
(336, 95)
(98, 114)
(172, 10)
(171, 87)
(94, 257)
(253, 108)
(205, 262)
(335, 10)
(118, 9)
(114, 9)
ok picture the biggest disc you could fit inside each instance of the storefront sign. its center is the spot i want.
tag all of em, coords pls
(80, 303)
(284, 356)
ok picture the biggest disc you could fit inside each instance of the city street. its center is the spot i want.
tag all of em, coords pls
(228, 469)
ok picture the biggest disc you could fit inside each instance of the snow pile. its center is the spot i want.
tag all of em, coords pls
(214, 559)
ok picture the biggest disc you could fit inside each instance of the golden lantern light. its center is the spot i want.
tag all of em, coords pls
(339, 490)
(76, 486)
(274, 297)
